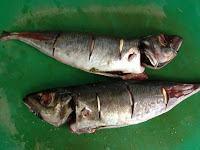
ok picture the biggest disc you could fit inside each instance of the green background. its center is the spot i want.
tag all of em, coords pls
(23, 70)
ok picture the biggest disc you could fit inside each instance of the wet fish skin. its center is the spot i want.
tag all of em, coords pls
(107, 105)
(110, 56)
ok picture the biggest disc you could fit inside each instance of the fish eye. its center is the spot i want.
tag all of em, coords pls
(45, 98)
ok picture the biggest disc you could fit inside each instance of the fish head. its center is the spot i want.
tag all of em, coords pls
(157, 51)
(53, 106)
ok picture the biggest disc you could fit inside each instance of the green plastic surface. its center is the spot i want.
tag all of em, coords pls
(23, 70)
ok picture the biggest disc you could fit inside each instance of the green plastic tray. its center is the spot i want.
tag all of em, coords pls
(23, 70)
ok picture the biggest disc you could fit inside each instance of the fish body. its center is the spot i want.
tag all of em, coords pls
(110, 56)
(107, 105)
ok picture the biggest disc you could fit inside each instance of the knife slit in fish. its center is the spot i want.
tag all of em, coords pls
(98, 106)
(131, 98)
(165, 96)
(177, 91)
(91, 46)
(54, 43)
(121, 43)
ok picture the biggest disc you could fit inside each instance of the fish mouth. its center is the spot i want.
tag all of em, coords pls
(175, 41)
(153, 60)
(146, 61)
(28, 104)
(33, 106)
(149, 61)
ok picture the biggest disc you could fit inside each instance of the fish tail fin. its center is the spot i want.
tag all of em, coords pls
(26, 35)
(7, 36)
(198, 87)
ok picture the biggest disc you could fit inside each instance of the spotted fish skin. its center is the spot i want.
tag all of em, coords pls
(109, 56)
(107, 105)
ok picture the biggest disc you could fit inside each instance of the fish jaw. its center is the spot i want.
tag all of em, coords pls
(33, 106)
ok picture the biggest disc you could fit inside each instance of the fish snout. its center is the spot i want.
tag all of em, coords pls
(33, 104)
(175, 41)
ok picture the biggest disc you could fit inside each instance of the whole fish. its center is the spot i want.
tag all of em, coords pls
(109, 56)
(107, 105)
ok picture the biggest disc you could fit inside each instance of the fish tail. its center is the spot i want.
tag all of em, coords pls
(198, 87)
(4, 36)
(25, 35)
(8, 36)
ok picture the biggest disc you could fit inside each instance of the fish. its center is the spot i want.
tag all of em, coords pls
(87, 108)
(109, 56)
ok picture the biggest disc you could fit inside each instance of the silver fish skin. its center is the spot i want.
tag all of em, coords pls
(109, 56)
(107, 105)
